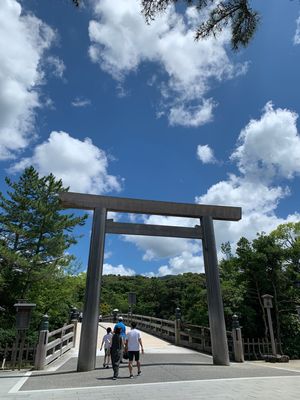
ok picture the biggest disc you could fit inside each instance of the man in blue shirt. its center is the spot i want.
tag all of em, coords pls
(121, 325)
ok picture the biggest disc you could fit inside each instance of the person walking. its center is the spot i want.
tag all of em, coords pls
(132, 346)
(116, 350)
(106, 341)
(120, 324)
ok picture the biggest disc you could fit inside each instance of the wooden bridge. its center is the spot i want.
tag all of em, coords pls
(162, 334)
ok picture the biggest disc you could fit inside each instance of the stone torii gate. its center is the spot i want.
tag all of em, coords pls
(101, 205)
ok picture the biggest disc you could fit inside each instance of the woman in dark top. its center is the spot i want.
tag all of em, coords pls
(116, 351)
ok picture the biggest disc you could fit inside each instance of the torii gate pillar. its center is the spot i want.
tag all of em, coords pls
(89, 328)
(215, 304)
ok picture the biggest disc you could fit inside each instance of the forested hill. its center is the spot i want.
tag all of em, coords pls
(158, 297)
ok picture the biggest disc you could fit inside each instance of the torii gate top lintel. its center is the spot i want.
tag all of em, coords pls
(138, 206)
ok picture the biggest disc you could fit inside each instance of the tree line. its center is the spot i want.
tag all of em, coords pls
(35, 235)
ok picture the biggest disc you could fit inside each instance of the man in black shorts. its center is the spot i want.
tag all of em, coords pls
(133, 343)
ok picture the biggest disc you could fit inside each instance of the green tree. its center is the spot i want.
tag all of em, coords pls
(237, 14)
(233, 285)
(267, 265)
(34, 237)
(288, 237)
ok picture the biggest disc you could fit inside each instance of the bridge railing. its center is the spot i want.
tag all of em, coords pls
(198, 337)
(258, 348)
(187, 335)
(53, 345)
(163, 328)
(24, 356)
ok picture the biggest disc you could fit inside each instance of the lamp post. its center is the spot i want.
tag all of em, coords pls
(115, 313)
(23, 316)
(267, 299)
(74, 314)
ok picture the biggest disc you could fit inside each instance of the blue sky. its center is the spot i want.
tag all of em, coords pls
(116, 107)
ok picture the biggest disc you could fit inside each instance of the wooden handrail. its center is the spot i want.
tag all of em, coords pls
(50, 350)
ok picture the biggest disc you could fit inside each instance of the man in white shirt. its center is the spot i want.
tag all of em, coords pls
(132, 346)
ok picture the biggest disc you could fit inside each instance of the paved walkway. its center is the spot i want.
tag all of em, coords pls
(168, 372)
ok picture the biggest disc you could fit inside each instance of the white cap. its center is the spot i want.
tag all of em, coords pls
(120, 318)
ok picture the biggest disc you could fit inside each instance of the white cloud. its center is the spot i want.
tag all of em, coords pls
(56, 65)
(107, 254)
(270, 146)
(109, 269)
(296, 38)
(23, 42)
(122, 41)
(156, 248)
(191, 116)
(80, 102)
(183, 254)
(258, 201)
(164, 247)
(185, 262)
(80, 164)
(268, 149)
(205, 154)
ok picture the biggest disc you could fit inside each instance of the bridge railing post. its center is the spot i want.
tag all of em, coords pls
(75, 323)
(177, 326)
(41, 350)
(237, 340)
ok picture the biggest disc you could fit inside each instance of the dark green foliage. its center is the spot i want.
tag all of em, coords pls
(237, 14)
(7, 336)
(158, 297)
(34, 237)
(267, 265)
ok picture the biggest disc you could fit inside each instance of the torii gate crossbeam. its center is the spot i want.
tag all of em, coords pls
(101, 205)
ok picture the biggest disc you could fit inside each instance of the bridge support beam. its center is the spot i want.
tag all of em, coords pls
(89, 329)
(214, 297)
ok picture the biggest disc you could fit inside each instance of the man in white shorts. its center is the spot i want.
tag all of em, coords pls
(132, 346)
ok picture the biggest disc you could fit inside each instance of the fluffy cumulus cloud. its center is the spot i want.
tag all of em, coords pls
(296, 38)
(80, 164)
(185, 262)
(258, 202)
(205, 154)
(109, 269)
(182, 254)
(270, 146)
(121, 41)
(23, 42)
(267, 157)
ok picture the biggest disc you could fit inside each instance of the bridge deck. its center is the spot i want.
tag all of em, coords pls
(168, 372)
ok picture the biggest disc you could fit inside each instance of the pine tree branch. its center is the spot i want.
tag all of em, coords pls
(237, 14)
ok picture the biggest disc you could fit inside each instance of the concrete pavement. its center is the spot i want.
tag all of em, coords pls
(168, 372)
